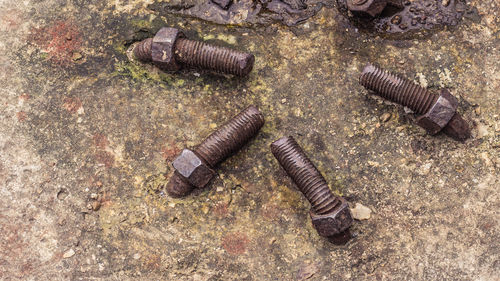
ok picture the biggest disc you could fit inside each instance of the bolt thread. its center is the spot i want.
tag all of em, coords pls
(397, 89)
(305, 175)
(231, 136)
(219, 59)
(142, 50)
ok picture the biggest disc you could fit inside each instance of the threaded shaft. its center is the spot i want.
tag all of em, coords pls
(143, 50)
(397, 89)
(231, 136)
(206, 56)
(305, 175)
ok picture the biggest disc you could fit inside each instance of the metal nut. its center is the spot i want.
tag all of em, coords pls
(193, 169)
(163, 48)
(370, 7)
(334, 222)
(440, 113)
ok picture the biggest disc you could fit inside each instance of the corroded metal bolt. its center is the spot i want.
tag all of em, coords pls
(169, 50)
(437, 112)
(330, 214)
(194, 168)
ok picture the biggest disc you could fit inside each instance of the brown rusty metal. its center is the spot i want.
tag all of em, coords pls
(372, 8)
(330, 214)
(437, 112)
(193, 168)
(169, 49)
(366, 7)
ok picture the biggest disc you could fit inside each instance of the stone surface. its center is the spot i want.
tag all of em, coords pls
(107, 126)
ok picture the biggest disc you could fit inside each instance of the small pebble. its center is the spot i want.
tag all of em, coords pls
(396, 19)
(76, 56)
(69, 253)
(361, 212)
(96, 205)
(478, 110)
(385, 117)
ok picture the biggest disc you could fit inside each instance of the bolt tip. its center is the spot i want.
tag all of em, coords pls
(178, 187)
(280, 142)
(142, 50)
(252, 109)
(245, 64)
(369, 68)
(457, 128)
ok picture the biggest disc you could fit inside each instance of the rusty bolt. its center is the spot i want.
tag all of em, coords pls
(169, 50)
(437, 112)
(330, 214)
(194, 168)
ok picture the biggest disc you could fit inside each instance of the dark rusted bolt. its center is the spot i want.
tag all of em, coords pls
(194, 168)
(330, 214)
(437, 112)
(169, 50)
(371, 7)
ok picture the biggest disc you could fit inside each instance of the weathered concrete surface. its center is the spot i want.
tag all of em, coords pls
(84, 136)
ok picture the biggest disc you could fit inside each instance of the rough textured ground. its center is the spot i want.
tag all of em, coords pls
(85, 136)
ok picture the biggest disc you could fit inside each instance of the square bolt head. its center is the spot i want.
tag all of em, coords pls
(333, 223)
(440, 113)
(193, 169)
(163, 48)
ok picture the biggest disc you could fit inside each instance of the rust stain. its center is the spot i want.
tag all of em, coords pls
(105, 199)
(270, 212)
(170, 151)
(105, 158)
(152, 262)
(21, 116)
(221, 210)
(24, 97)
(60, 40)
(235, 243)
(100, 140)
(72, 105)
(12, 18)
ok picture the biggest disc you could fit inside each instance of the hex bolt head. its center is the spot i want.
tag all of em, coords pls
(163, 48)
(330, 214)
(437, 112)
(169, 50)
(194, 168)
(334, 222)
